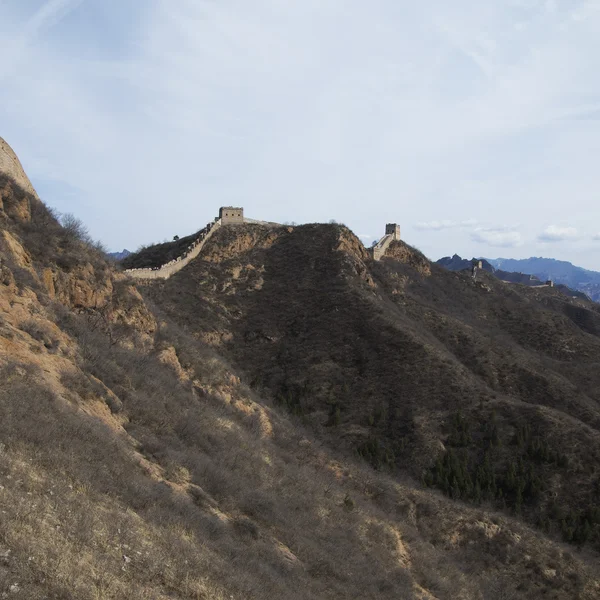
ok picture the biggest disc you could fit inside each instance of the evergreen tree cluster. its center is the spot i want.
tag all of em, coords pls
(536, 448)
(291, 396)
(378, 455)
(577, 527)
(477, 468)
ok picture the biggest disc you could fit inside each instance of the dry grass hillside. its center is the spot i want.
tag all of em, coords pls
(146, 453)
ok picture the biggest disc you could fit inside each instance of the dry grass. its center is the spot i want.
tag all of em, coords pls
(197, 497)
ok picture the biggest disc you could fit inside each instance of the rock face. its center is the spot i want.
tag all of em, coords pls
(403, 253)
(10, 165)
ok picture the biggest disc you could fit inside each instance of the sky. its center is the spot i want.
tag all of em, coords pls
(474, 124)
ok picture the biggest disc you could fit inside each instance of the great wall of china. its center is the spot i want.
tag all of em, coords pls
(176, 265)
(229, 215)
(392, 233)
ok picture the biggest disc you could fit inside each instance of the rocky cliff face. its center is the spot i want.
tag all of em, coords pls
(10, 165)
(401, 252)
(42, 258)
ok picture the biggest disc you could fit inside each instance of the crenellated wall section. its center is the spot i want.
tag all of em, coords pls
(228, 216)
(176, 265)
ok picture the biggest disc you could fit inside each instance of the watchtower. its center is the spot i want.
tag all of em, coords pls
(394, 230)
(231, 215)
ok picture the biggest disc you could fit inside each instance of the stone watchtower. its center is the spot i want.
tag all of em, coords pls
(394, 230)
(231, 215)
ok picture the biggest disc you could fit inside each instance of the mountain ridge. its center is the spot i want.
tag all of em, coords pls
(120, 255)
(457, 263)
(560, 271)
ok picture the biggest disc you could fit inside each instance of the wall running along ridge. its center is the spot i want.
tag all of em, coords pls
(382, 246)
(175, 265)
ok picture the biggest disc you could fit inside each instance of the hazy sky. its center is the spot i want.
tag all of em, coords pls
(475, 124)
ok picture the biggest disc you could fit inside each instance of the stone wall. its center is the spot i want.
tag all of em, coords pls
(381, 246)
(393, 229)
(176, 265)
(392, 233)
(231, 215)
(256, 222)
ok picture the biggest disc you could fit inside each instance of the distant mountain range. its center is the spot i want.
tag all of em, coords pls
(514, 275)
(119, 255)
(559, 271)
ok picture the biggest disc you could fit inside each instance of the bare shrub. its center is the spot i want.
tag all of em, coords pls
(42, 333)
(74, 230)
(246, 527)
(257, 504)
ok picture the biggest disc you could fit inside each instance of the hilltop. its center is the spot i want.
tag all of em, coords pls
(279, 418)
(10, 167)
(120, 255)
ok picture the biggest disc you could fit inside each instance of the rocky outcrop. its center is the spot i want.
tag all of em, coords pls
(16, 191)
(235, 241)
(355, 256)
(11, 166)
(403, 253)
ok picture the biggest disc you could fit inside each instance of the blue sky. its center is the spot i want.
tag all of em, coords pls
(473, 124)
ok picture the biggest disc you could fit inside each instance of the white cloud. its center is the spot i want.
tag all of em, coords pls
(596, 237)
(441, 225)
(499, 237)
(436, 225)
(554, 233)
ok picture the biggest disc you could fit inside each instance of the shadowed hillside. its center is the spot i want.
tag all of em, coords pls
(485, 390)
(158, 254)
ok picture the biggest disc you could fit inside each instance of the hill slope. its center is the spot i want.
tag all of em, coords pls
(137, 462)
(409, 364)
